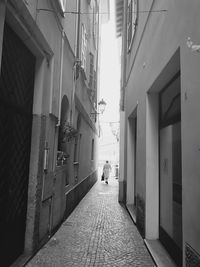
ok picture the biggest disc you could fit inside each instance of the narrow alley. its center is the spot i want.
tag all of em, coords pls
(86, 84)
(99, 232)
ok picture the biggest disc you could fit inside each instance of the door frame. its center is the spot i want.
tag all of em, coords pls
(169, 243)
(24, 26)
(152, 145)
(131, 159)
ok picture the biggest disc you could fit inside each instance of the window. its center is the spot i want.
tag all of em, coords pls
(95, 80)
(83, 46)
(91, 70)
(95, 88)
(95, 24)
(92, 151)
(131, 21)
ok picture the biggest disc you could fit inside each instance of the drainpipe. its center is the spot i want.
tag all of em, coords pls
(124, 56)
(97, 63)
(122, 143)
(76, 61)
(97, 67)
(61, 77)
(78, 29)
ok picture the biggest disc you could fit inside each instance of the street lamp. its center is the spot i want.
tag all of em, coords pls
(102, 106)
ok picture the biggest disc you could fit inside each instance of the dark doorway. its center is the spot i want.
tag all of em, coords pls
(131, 188)
(170, 228)
(16, 102)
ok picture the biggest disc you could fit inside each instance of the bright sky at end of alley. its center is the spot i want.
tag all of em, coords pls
(109, 88)
(110, 69)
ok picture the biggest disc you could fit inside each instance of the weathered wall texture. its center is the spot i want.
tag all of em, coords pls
(158, 51)
(52, 37)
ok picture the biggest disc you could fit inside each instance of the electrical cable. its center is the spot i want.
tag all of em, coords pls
(101, 13)
(106, 13)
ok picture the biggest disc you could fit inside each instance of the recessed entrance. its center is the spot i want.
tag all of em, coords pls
(16, 102)
(170, 225)
(131, 165)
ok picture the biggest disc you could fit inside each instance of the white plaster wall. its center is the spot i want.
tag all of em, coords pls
(165, 32)
(152, 167)
(69, 22)
(190, 66)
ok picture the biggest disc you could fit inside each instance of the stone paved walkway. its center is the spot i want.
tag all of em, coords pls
(99, 233)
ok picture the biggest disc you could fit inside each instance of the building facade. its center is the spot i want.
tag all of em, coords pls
(159, 139)
(49, 130)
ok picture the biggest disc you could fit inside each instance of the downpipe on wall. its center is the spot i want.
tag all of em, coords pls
(61, 78)
(76, 64)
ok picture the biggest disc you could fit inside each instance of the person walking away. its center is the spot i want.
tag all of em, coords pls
(106, 170)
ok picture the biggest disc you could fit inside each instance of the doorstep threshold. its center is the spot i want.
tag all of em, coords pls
(22, 260)
(132, 212)
(159, 254)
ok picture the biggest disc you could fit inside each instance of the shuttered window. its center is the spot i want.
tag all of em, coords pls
(91, 70)
(95, 24)
(92, 150)
(83, 46)
(131, 21)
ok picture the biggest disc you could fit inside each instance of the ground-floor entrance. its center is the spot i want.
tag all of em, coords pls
(16, 101)
(170, 222)
(131, 189)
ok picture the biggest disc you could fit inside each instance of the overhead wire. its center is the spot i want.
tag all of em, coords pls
(106, 13)
(102, 13)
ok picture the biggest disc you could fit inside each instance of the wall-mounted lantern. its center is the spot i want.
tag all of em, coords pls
(101, 107)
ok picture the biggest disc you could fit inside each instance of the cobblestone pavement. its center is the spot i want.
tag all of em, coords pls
(98, 233)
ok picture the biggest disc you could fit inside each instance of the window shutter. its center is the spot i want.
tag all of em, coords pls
(95, 24)
(91, 70)
(83, 46)
(95, 80)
